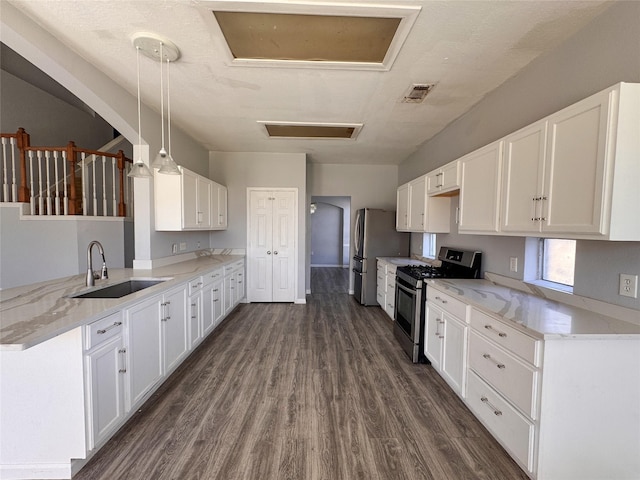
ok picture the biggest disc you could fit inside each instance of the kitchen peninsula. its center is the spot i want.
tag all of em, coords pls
(558, 386)
(91, 362)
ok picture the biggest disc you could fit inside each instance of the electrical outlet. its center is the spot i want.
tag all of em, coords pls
(198, 245)
(174, 248)
(513, 264)
(628, 285)
(183, 246)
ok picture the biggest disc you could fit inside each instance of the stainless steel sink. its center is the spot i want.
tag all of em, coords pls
(119, 290)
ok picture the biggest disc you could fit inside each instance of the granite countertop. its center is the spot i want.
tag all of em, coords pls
(32, 314)
(398, 261)
(536, 316)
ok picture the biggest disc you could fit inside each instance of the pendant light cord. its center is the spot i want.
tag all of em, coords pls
(139, 110)
(169, 104)
(161, 95)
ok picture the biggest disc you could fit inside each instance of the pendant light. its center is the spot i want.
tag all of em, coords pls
(139, 169)
(169, 166)
(159, 49)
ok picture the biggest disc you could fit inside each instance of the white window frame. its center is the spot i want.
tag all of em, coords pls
(429, 245)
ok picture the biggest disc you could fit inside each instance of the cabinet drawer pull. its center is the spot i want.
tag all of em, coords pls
(500, 334)
(499, 365)
(105, 330)
(496, 412)
(443, 301)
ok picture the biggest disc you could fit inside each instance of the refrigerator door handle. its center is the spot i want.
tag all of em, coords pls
(356, 233)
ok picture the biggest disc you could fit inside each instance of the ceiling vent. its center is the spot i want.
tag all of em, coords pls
(418, 92)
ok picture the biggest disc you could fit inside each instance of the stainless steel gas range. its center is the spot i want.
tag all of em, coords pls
(411, 295)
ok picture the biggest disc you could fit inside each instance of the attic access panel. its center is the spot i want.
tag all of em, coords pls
(312, 38)
(331, 131)
(310, 35)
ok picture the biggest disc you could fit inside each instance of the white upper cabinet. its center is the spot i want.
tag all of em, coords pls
(523, 178)
(416, 212)
(189, 202)
(402, 212)
(576, 174)
(444, 179)
(480, 174)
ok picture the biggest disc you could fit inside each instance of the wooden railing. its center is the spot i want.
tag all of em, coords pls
(64, 180)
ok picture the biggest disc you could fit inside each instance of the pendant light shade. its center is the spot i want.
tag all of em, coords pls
(139, 169)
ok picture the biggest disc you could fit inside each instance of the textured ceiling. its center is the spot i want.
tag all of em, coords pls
(468, 48)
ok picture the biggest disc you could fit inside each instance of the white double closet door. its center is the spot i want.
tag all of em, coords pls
(271, 249)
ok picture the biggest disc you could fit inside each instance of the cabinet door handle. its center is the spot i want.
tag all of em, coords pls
(105, 330)
(491, 359)
(496, 412)
(491, 329)
(122, 354)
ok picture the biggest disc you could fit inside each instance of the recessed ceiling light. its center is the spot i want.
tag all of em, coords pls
(331, 131)
(308, 35)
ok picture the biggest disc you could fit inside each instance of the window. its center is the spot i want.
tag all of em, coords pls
(557, 260)
(429, 245)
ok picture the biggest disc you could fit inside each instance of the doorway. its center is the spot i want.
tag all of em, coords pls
(330, 242)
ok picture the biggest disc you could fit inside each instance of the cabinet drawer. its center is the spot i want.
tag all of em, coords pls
(211, 277)
(516, 342)
(511, 429)
(103, 329)
(195, 285)
(513, 378)
(446, 302)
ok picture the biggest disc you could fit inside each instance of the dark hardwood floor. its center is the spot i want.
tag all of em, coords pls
(315, 391)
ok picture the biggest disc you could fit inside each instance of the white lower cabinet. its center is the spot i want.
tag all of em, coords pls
(386, 287)
(212, 300)
(234, 285)
(195, 314)
(445, 338)
(144, 345)
(105, 363)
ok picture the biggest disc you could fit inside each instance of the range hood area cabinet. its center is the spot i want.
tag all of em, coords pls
(189, 202)
(574, 174)
(418, 212)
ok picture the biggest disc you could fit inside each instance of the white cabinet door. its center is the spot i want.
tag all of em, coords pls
(402, 211)
(219, 213)
(433, 335)
(217, 301)
(195, 319)
(229, 292)
(523, 176)
(575, 174)
(417, 204)
(480, 190)
(144, 349)
(189, 198)
(444, 179)
(203, 210)
(272, 250)
(174, 328)
(454, 354)
(105, 371)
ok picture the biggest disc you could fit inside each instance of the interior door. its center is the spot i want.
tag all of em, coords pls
(272, 250)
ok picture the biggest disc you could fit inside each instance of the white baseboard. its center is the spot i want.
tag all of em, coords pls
(40, 470)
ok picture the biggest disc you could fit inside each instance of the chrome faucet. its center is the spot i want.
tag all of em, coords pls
(91, 275)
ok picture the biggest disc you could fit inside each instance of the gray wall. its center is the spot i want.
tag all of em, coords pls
(238, 171)
(344, 203)
(605, 52)
(24, 105)
(35, 251)
(326, 234)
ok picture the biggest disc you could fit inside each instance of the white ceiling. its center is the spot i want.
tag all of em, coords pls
(468, 48)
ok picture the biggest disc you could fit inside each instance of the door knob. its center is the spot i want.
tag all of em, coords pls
(275, 253)
(268, 252)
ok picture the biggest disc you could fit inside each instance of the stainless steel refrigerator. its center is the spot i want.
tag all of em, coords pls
(374, 235)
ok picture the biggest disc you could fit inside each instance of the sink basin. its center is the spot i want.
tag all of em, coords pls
(119, 290)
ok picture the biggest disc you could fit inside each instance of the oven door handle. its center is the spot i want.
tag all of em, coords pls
(411, 292)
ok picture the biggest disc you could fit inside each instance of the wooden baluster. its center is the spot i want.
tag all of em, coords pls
(5, 185)
(47, 156)
(65, 191)
(40, 188)
(23, 142)
(71, 158)
(94, 198)
(32, 199)
(122, 207)
(57, 180)
(104, 186)
(114, 204)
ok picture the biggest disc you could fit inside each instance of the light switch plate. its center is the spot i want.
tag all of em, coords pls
(628, 285)
(513, 264)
